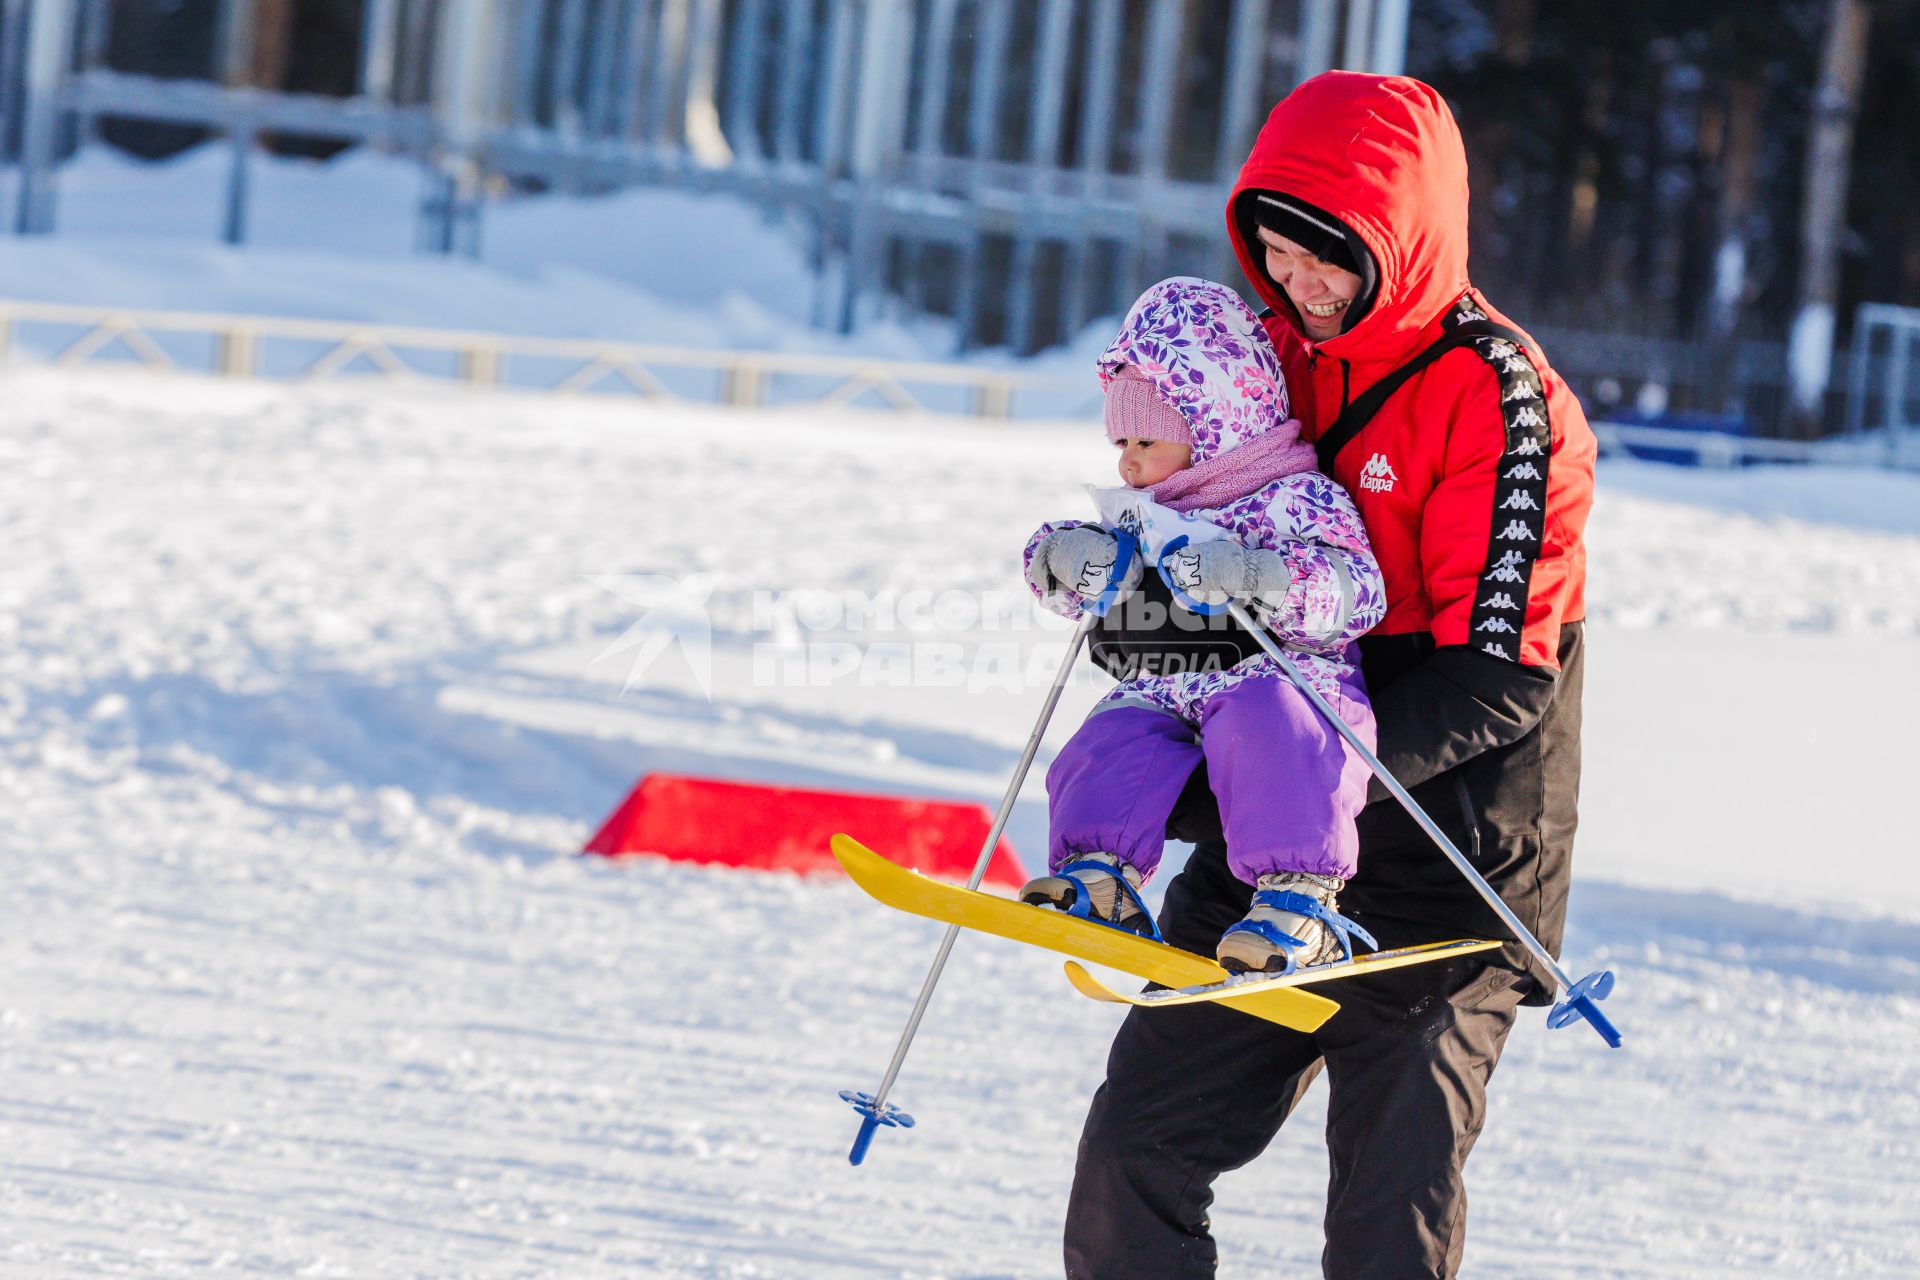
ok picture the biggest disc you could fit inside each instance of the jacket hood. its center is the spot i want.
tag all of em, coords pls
(1384, 156)
(1207, 355)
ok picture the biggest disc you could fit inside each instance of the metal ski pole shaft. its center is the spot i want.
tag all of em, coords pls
(873, 1107)
(986, 850)
(1580, 997)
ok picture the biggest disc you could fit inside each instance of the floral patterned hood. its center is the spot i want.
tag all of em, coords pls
(1207, 355)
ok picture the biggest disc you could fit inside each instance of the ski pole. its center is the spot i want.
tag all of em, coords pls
(1582, 997)
(873, 1107)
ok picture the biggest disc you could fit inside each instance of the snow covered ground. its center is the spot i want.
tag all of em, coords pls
(300, 722)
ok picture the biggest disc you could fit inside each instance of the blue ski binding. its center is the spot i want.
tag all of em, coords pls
(1300, 904)
(1082, 909)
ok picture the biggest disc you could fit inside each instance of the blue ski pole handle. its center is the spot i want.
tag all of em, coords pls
(1129, 548)
(1185, 601)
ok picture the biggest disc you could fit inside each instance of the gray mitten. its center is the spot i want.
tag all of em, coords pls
(1210, 572)
(1079, 560)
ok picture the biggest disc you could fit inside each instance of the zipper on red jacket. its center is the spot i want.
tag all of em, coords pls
(1313, 365)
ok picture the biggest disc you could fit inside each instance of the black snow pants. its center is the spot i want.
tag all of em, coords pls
(1194, 1091)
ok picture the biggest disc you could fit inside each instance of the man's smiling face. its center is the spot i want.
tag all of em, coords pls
(1319, 291)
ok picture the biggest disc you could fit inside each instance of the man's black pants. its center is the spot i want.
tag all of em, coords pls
(1194, 1091)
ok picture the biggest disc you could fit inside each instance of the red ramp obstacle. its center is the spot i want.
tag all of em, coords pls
(744, 824)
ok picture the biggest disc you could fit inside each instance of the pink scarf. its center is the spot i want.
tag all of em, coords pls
(1244, 469)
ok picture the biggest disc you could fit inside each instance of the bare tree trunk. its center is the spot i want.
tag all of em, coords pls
(1824, 208)
(1739, 163)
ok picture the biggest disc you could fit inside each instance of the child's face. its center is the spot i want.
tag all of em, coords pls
(1319, 291)
(1145, 463)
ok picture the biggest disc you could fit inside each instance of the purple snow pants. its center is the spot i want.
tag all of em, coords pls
(1289, 788)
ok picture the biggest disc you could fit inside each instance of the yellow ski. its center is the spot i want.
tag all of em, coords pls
(1242, 989)
(915, 894)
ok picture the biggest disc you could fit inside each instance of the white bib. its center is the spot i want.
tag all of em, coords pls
(1129, 509)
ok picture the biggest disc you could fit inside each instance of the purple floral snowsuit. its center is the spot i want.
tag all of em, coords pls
(1289, 788)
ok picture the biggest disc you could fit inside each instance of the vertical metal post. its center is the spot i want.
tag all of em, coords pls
(236, 351)
(830, 118)
(1044, 127)
(13, 30)
(1389, 38)
(878, 138)
(1246, 68)
(989, 66)
(744, 83)
(563, 91)
(234, 52)
(378, 36)
(936, 74)
(49, 54)
(934, 78)
(233, 227)
(880, 116)
(1857, 371)
(993, 29)
(1105, 21)
(1357, 50)
(700, 119)
(1166, 49)
(627, 122)
(606, 38)
(796, 38)
(1160, 91)
(461, 102)
(480, 364)
(832, 303)
(233, 42)
(1317, 29)
(1898, 358)
(669, 58)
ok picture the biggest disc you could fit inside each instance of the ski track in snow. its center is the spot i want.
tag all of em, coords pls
(299, 733)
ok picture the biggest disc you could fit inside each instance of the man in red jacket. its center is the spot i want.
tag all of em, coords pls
(1472, 465)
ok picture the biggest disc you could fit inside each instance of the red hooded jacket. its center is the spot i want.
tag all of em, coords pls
(1474, 479)
(1384, 156)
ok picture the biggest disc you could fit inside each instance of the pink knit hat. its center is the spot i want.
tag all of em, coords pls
(1135, 411)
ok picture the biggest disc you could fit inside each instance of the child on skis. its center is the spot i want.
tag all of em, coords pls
(1197, 404)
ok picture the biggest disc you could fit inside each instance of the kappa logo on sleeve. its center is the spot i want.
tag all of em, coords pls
(1377, 476)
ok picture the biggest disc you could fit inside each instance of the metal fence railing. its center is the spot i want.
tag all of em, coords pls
(1883, 382)
(318, 350)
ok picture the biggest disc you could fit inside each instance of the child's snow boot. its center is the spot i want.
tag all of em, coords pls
(1291, 925)
(1095, 886)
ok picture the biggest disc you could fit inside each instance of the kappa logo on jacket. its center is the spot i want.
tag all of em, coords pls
(1516, 531)
(1507, 569)
(1377, 476)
